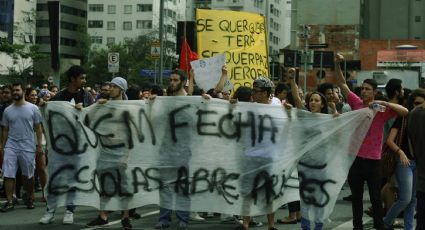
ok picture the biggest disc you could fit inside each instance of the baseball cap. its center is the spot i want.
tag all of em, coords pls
(120, 82)
(263, 82)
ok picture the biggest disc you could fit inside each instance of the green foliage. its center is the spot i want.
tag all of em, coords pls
(134, 55)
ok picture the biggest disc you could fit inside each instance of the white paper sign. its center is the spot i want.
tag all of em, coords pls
(208, 71)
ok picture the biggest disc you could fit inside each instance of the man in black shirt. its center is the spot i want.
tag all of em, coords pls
(76, 93)
(75, 90)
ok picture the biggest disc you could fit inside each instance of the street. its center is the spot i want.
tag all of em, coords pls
(22, 218)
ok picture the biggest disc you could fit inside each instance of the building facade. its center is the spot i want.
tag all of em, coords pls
(393, 19)
(72, 27)
(17, 26)
(112, 22)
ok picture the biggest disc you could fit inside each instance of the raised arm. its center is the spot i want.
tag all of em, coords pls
(340, 79)
(191, 82)
(399, 109)
(220, 85)
(294, 88)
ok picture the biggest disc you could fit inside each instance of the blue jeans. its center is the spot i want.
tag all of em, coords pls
(165, 216)
(406, 179)
(305, 225)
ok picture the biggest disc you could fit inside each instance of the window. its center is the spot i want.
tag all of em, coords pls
(112, 9)
(128, 9)
(144, 7)
(73, 11)
(111, 25)
(96, 7)
(126, 26)
(95, 24)
(144, 24)
(96, 39)
(418, 18)
(110, 41)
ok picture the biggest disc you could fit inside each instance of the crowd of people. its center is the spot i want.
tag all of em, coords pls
(24, 155)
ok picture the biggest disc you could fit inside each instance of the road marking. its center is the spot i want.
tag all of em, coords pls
(119, 221)
(349, 224)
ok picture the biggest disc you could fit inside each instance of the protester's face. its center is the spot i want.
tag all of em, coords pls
(104, 91)
(418, 101)
(367, 92)
(7, 95)
(282, 95)
(330, 95)
(315, 103)
(32, 97)
(47, 97)
(226, 95)
(44, 86)
(259, 95)
(114, 91)
(18, 93)
(175, 83)
(54, 90)
(79, 81)
(146, 94)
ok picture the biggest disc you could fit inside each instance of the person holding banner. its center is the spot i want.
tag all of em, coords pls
(261, 92)
(73, 93)
(117, 90)
(178, 80)
(366, 166)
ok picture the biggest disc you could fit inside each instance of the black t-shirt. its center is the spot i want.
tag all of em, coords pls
(79, 97)
(405, 142)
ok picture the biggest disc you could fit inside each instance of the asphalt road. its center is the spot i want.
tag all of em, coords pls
(22, 218)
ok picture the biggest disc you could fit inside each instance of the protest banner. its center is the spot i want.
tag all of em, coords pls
(241, 36)
(188, 153)
(208, 71)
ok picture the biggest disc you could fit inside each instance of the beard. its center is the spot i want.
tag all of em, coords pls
(17, 97)
(176, 89)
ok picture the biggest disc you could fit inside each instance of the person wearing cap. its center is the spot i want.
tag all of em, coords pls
(118, 87)
(261, 92)
(74, 92)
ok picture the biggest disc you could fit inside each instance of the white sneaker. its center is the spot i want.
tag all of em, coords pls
(195, 217)
(47, 218)
(68, 217)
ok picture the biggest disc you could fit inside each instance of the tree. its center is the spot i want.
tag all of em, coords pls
(134, 55)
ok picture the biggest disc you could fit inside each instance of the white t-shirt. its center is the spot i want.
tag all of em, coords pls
(21, 120)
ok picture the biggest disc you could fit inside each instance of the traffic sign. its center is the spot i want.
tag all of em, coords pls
(155, 49)
(50, 79)
(113, 62)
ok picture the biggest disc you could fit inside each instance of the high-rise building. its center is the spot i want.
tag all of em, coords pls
(112, 22)
(393, 19)
(17, 26)
(72, 26)
(277, 13)
(17, 20)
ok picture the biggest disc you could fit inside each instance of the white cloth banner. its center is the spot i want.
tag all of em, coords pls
(208, 71)
(187, 153)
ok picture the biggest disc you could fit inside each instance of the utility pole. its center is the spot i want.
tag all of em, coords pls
(305, 34)
(161, 40)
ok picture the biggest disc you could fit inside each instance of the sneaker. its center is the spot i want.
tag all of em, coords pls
(47, 218)
(134, 215)
(126, 223)
(68, 217)
(195, 217)
(161, 225)
(97, 222)
(15, 201)
(7, 207)
(255, 224)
